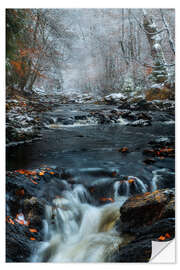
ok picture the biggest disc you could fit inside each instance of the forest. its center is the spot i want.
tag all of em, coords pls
(90, 133)
(94, 51)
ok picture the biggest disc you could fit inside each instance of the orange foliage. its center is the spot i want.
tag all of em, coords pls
(32, 238)
(106, 199)
(124, 149)
(18, 67)
(161, 94)
(130, 180)
(162, 238)
(167, 235)
(32, 230)
(166, 150)
(26, 172)
(34, 182)
(42, 173)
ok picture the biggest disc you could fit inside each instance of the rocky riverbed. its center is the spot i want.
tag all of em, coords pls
(119, 153)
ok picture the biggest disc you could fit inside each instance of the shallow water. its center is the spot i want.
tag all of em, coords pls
(81, 231)
(91, 151)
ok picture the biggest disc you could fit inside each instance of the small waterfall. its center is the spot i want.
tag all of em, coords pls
(54, 119)
(58, 123)
(158, 177)
(140, 186)
(125, 188)
(122, 121)
(76, 231)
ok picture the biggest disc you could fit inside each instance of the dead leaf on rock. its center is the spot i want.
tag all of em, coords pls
(32, 230)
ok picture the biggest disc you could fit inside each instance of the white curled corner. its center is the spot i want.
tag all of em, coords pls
(163, 252)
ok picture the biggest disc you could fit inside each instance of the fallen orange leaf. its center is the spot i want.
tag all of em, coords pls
(32, 230)
(41, 173)
(130, 180)
(33, 182)
(162, 238)
(167, 235)
(26, 172)
(52, 172)
(19, 221)
(32, 238)
(123, 149)
(106, 199)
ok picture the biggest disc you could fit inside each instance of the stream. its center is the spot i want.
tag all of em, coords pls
(90, 153)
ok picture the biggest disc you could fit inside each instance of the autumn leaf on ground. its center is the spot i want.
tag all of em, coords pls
(33, 182)
(161, 238)
(130, 180)
(106, 199)
(32, 230)
(167, 235)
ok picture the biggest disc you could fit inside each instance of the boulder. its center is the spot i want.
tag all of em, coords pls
(135, 251)
(148, 208)
(146, 217)
(115, 98)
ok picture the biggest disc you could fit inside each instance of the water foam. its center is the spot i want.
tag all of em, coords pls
(76, 231)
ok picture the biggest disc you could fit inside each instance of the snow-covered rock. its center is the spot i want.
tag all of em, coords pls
(115, 97)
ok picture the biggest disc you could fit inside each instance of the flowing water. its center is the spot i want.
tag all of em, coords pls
(76, 229)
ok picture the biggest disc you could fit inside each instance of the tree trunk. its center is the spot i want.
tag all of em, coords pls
(160, 73)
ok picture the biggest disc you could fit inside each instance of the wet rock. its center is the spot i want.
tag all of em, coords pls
(162, 141)
(18, 247)
(124, 106)
(164, 178)
(160, 152)
(149, 161)
(148, 208)
(129, 115)
(147, 217)
(27, 194)
(141, 105)
(136, 251)
(144, 116)
(33, 210)
(164, 227)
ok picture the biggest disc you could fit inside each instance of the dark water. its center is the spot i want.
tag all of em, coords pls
(92, 150)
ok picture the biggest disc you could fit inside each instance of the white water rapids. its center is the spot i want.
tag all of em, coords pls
(77, 231)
